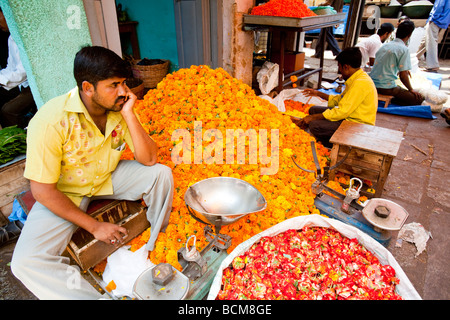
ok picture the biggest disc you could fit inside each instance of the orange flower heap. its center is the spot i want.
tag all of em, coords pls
(215, 100)
(296, 108)
(283, 8)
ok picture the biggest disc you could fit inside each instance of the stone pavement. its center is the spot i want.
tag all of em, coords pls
(417, 181)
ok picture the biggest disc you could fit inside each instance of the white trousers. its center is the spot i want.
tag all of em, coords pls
(429, 44)
(37, 260)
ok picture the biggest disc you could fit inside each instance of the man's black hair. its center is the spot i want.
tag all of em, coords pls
(95, 63)
(350, 56)
(405, 29)
(385, 28)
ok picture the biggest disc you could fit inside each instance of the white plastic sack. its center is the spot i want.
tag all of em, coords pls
(415, 233)
(124, 267)
(293, 94)
(405, 287)
(267, 77)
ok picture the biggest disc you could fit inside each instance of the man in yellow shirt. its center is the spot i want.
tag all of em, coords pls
(74, 146)
(358, 102)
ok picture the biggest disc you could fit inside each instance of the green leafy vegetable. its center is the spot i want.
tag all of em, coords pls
(12, 143)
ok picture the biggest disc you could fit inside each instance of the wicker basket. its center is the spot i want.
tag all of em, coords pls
(324, 10)
(151, 75)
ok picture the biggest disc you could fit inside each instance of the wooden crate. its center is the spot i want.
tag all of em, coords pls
(88, 251)
(293, 61)
(12, 182)
(373, 150)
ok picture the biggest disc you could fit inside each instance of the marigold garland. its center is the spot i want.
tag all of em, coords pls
(222, 102)
(283, 8)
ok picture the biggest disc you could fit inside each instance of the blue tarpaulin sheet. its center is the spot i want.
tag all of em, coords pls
(407, 111)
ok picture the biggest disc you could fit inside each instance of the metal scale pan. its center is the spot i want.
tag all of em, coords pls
(384, 214)
(220, 201)
(216, 202)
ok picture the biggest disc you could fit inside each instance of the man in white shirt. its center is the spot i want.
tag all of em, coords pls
(16, 99)
(369, 46)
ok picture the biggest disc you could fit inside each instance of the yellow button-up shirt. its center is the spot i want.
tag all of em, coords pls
(358, 102)
(64, 146)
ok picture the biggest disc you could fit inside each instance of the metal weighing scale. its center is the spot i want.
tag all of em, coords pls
(378, 218)
(215, 202)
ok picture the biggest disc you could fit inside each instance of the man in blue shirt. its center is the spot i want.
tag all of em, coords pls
(437, 24)
(393, 61)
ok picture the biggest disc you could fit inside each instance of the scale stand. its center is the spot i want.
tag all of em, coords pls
(163, 281)
(377, 218)
(193, 262)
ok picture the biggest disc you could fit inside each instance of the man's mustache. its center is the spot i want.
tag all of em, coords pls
(121, 99)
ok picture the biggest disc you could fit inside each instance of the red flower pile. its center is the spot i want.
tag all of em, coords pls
(312, 263)
(283, 8)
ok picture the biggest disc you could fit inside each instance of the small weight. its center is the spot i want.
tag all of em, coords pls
(382, 211)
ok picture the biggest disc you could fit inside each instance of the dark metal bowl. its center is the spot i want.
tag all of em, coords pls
(390, 11)
(416, 12)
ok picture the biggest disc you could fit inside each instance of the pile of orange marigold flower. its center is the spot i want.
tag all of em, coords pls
(283, 8)
(222, 102)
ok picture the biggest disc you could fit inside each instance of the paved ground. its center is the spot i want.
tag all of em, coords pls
(418, 182)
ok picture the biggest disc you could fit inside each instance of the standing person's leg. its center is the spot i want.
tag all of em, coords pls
(431, 42)
(320, 44)
(37, 260)
(332, 41)
(154, 184)
(422, 46)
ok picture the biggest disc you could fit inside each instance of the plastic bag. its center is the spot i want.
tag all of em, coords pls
(268, 77)
(405, 287)
(17, 212)
(415, 233)
(293, 94)
(124, 267)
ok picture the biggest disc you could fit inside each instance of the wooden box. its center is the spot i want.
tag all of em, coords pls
(12, 182)
(88, 251)
(373, 150)
(293, 61)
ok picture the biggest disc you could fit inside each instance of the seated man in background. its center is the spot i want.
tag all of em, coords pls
(16, 99)
(369, 46)
(394, 33)
(393, 61)
(358, 102)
